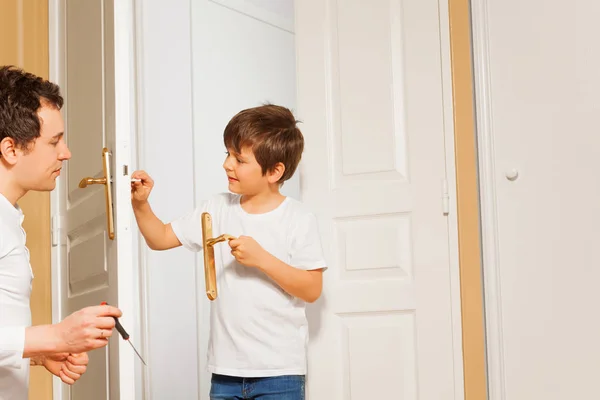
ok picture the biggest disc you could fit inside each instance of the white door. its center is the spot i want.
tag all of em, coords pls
(92, 61)
(371, 101)
(537, 69)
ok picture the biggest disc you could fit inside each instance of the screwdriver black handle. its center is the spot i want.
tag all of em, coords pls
(118, 325)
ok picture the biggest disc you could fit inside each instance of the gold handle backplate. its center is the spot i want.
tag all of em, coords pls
(210, 275)
(107, 182)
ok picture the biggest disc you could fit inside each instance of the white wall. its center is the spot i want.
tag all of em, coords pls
(166, 152)
(201, 62)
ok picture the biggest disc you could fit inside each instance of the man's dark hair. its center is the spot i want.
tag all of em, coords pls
(22, 94)
(271, 132)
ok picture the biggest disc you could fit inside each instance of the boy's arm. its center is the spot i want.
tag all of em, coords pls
(158, 235)
(306, 285)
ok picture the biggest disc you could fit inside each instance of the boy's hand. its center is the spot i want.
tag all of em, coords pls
(248, 252)
(140, 191)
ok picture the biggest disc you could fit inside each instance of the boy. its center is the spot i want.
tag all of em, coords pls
(266, 275)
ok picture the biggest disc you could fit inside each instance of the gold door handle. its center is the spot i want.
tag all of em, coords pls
(91, 181)
(210, 275)
(107, 182)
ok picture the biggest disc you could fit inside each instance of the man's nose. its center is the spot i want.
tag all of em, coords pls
(65, 154)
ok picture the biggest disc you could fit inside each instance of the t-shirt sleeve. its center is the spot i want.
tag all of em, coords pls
(188, 228)
(12, 344)
(306, 251)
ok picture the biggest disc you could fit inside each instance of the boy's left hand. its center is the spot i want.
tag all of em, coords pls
(247, 251)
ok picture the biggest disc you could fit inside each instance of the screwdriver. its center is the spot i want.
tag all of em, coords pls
(124, 334)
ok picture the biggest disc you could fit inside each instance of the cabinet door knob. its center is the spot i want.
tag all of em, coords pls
(512, 175)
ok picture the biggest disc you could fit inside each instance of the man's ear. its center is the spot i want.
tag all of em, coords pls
(8, 150)
(275, 174)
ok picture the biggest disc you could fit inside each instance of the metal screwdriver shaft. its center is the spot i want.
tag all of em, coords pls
(125, 335)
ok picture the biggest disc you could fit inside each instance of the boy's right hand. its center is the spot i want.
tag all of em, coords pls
(140, 191)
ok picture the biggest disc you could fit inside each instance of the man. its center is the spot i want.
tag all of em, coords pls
(32, 151)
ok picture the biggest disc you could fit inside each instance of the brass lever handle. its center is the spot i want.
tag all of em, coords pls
(107, 182)
(208, 242)
(221, 238)
(91, 181)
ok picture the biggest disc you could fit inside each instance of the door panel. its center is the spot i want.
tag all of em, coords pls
(94, 267)
(370, 98)
(88, 259)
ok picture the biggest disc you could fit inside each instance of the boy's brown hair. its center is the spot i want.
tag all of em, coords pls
(271, 132)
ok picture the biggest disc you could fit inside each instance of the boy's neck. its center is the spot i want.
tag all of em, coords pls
(263, 202)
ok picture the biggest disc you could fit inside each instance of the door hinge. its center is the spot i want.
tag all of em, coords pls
(445, 197)
(56, 229)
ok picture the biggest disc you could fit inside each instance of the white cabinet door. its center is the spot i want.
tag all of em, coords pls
(537, 69)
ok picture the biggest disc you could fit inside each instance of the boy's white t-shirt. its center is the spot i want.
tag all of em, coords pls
(257, 329)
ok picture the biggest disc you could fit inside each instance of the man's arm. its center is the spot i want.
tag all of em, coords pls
(158, 236)
(40, 341)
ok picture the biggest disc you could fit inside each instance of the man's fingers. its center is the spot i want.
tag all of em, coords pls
(65, 378)
(79, 359)
(104, 311)
(109, 311)
(76, 369)
(105, 323)
(98, 343)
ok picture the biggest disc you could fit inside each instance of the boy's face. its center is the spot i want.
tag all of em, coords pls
(38, 168)
(245, 173)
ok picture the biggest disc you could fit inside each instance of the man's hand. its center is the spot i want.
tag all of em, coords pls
(86, 329)
(68, 367)
(140, 191)
(248, 252)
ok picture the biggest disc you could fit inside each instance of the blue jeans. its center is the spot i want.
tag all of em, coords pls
(288, 387)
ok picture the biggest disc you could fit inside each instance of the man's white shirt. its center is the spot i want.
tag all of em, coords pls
(15, 312)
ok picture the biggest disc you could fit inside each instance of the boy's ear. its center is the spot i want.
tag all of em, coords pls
(8, 150)
(275, 174)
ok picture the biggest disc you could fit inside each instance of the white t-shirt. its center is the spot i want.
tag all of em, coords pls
(15, 312)
(257, 329)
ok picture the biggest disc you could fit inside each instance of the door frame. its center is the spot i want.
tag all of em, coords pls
(487, 182)
(468, 201)
(133, 303)
(25, 45)
(451, 193)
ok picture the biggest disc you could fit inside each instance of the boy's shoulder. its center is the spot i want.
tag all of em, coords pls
(223, 199)
(300, 214)
(298, 208)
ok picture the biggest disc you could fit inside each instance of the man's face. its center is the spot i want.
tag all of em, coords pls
(38, 168)
(244, 173)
